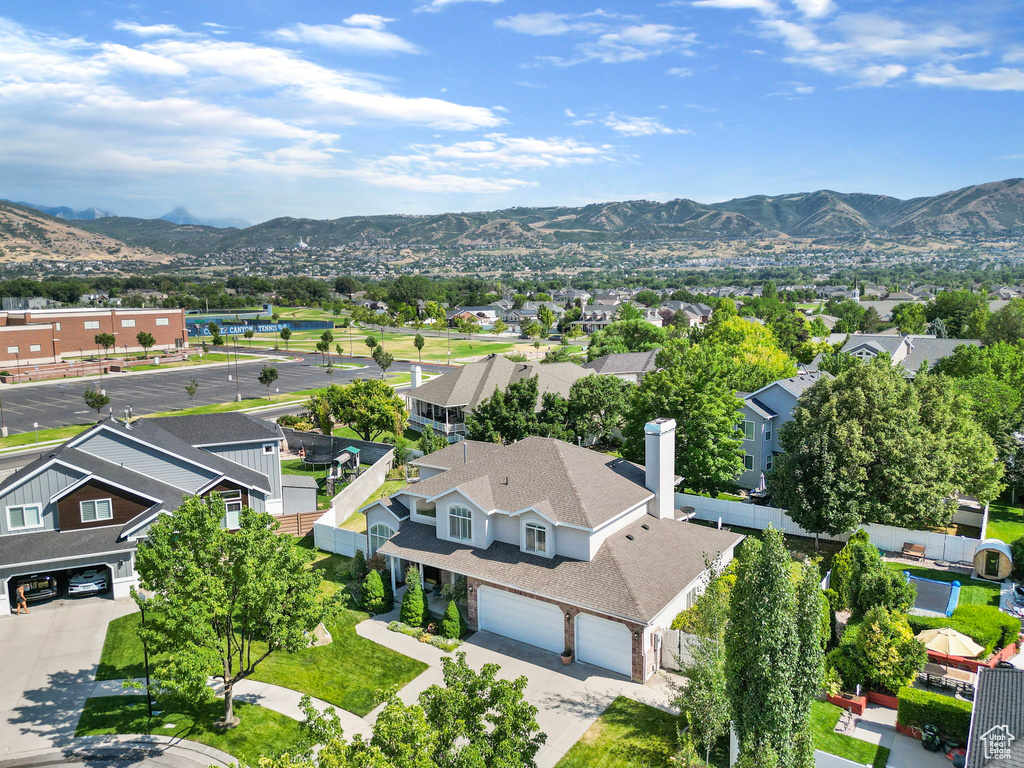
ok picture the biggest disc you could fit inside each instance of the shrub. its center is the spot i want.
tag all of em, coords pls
(373, 593)
(451, 624)
(887, 650)
(414, 603)
(1016, 549)
(389, 593)
(886, 588)
(846, 667)
(443, 643)
(985, 624)
(918, 708)
(851, 564)
(358, 568)
(832, 681)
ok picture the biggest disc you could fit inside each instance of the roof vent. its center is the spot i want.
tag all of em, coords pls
(629, 536)
(646, 527)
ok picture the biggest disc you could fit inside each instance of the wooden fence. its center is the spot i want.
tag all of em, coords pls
(298, 524)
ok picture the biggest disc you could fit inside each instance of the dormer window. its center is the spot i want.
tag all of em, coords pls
(460, 524)
(536, 539)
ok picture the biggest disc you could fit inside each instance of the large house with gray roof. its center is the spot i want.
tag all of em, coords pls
(908, 352)
(628, 366)
(443, 402)
(88, 502)
(561, 547)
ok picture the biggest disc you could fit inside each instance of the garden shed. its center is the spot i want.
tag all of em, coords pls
(993, 560)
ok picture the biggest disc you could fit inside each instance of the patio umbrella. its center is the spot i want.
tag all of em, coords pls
(950, 642)
(762, 486)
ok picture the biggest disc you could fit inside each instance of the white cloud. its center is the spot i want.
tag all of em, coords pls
(639, 126)
(570, 113)
(638, 42)
(880, 74)
(546, 23)
(440, 5)
(123, 57)
(679, 72)
(365, 35)
(999, 79)
(151, 30)
(767, 7)
(815, 8)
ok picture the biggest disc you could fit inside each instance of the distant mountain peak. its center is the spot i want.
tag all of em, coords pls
(63, 212)
(181, 215)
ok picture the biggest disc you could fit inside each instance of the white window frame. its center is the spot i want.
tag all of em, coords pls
(462, 518)
(35, 347)
(748, 429)
(39, 516)
(92, 325)
(376, 538)
(95, 507)
(232, 499)
(748, 462)
(769, 462)
(56, 326)
(767, 433)
(129, 323)
(540, 533)
(163, 321)
(13, 350)
(268, 448)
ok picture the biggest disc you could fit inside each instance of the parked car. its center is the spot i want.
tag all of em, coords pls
(90, 581)
(38, 586)
(555, 337)
(524, 336)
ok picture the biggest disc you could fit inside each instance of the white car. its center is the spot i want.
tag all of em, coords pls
(88, 582)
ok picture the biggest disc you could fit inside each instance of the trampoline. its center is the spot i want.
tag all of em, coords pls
(934, 598)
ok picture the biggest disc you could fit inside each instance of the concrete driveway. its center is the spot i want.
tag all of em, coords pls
(47, 669)
(568, 698)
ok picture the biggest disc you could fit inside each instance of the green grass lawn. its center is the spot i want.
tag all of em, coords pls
(824, 717)
(972, 591)
(56, 433)
(1005, 523)
(357, 520)
(352, 673)
(297, 467)
(260, 732)
(627, 735)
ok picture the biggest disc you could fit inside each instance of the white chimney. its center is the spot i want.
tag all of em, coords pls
(417, 377)
(660, 465)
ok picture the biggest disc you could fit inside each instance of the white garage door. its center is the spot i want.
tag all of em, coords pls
(604, 643)
(521, 618)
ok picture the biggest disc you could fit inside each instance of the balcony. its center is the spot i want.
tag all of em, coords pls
(437, 426)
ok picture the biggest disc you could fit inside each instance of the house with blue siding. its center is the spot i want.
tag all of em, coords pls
(87, 503)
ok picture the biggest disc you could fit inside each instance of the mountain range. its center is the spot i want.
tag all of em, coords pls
(992, 208)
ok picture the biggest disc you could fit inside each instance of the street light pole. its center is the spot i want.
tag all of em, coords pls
(238, 395)
(3, 421)
(17, 362)
(141, 600)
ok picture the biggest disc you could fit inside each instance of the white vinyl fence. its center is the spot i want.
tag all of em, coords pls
(938, 546)
(326, 533)
(330, 538)
(675, 648)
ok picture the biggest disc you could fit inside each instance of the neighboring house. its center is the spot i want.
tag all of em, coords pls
(596, 317)
(561, 547)
(901, 296)
(695, 314)
(485, 316)
(628, 366)
(570, 295)
(443, 402)
(996, 738)
(764, 411)
(99, 297)
(87, 502)
(16, 303)
(908, 352)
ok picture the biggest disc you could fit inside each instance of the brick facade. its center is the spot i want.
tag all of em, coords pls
(43, 336)
(640, 674)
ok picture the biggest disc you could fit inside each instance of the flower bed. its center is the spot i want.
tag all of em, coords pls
(423, 636)
(883, 700)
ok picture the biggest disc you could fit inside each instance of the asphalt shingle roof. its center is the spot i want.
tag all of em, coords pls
(625, 362)
(634, 575)
(457, 453)
(219, 428)
(578, 486)
(998, 703)
(470, 384)
(59, 545)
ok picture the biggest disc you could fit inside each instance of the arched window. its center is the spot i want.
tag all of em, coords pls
(378, 535)
(536, 539)
(460, 523)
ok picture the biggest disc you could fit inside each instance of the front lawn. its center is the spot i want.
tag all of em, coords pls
(972, 591)
(352, 672)
(1005, 523)
(824, 717)
(627, 735)
(261, 731)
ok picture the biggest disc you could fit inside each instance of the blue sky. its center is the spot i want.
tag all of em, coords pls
(323, 109)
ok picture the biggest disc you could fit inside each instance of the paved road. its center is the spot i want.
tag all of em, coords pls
(57, 403)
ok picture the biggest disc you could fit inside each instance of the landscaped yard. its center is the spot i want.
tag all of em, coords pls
(1005, 523)
(357, 520)
(297, 467)
(351, 672)
(824, 717)
(260, 732)
(972, 591)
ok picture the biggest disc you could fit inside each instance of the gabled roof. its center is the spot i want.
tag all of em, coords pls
(458, 453)
(469, 385)
(220, 428)
(583, 488)
(635, 574)
(47, 546)
(922, 347)
(625, 362)
(795, 385)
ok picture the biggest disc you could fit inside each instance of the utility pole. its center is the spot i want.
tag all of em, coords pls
(238, 395)
(3, 421)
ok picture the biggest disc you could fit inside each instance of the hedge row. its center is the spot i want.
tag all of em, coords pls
(986, 624)
(919, 708)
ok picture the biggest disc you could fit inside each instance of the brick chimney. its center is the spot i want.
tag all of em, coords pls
(660, 465)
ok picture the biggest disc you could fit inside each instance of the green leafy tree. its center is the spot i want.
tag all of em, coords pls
(374, 599)
(146, 341)
(648, 298)
(248, 334)
(268, 375)
(191, 388)
(369, 406)
(546, 316)
(597, 405)
(468, 325)
(319, 407)
(1006, 323)
(430, 441)
(871, 321)
(884, 588)
(910, 317)
(750, 349)
(105, 340)
(889, 654)
(384, 360)
(628, 311)
(419, 342)
(849, 314)
(414, 602)
(499, 327)
(812, 636)
(762, 651)
(95, 399)
(790, 330)
(371, 342)
(286, 333)
(506, 416)
(451, 624)
(625, 336)
(964, 314)
(223, 602)
(694, 392)
(835, 362)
